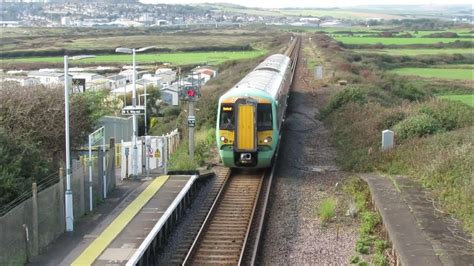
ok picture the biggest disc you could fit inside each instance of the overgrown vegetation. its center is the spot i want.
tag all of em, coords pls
(434, 140)
(32, 132)
(370, 241)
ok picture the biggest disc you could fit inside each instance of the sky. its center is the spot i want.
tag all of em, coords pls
(312, 3)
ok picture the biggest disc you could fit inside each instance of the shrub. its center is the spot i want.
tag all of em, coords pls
(348, 95)
(391, 119)
(449, 114)
(327, 209)
(417, 126)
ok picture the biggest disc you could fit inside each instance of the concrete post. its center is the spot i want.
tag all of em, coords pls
(82, 196)
(111, 165)
(318, 72)
(191, 131)
(62, 222)
(100, 170)
(34, 222)
(387, 139)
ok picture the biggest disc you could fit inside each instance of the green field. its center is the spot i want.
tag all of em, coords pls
(452, 73)
(467, 99)
(397, 41)
(174, 58)
(415, 52)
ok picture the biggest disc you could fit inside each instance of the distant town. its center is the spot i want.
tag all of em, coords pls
(129, 13)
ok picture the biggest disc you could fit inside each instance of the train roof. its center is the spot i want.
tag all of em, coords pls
(266, 77)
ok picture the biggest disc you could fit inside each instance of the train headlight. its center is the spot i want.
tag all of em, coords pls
(267, 140)
(223, 139)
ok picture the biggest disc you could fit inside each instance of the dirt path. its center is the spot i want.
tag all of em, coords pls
(305, 174)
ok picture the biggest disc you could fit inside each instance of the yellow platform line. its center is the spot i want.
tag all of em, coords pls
(90, 254)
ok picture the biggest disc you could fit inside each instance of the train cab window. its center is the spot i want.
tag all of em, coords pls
(264, 117)
(227, 120)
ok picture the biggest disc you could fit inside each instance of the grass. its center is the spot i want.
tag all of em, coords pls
(45, 39)
(327, 209)
(467, 99)
(397, 41)
(174, 58)
(369, 242)
(452, 73)
(415, 52)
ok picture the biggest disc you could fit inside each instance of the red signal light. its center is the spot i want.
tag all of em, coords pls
(191, 93)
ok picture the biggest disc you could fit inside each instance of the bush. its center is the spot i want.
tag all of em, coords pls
(348, 95)
(449, 114)
(391, 119)
(327, 209)
(417, 126)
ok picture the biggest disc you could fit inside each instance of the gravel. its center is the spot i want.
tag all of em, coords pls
(306, 173)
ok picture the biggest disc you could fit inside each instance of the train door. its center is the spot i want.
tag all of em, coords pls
(246, 131)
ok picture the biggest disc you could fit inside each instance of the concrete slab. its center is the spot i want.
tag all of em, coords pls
(421, 234)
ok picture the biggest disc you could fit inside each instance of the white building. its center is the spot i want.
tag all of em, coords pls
(66, 21)
(82, 80)
(152, 80)
(170, 94)
(128, 73)
(166, 74)
(23, 81)
(116, 81)
(49, 78)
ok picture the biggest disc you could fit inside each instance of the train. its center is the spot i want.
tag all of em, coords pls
(250, 114)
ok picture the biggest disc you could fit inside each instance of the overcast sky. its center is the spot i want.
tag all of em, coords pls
(313, 3)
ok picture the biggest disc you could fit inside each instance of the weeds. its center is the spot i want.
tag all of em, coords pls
(327, 209)
(369, 242)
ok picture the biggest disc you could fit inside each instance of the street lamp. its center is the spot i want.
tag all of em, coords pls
(68, 194)
(134, 103)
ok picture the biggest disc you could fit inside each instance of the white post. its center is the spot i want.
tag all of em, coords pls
(165, 155)
(387, 139)
(68, 194)
(104, 175)
(135, 125)
(90, 173)
(146, 129)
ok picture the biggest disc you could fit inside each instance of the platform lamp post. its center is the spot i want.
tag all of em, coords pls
(68, 194)
(133, 51)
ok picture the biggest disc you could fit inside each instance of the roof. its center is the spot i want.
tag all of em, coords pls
(265, 78)
(116, 77)
(45, 74)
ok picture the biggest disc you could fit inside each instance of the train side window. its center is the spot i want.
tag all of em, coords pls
(227, 117)
(264, 117)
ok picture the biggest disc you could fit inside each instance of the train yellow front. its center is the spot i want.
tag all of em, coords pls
(250, 114)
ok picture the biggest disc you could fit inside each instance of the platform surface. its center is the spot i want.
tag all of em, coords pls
(121, 238)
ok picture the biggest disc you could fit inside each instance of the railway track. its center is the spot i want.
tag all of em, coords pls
(229, 233)
(223, 236)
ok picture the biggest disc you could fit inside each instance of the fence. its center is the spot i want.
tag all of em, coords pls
(36, 218)
(151, 151)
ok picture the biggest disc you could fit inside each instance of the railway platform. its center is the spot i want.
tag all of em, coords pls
(116, 236)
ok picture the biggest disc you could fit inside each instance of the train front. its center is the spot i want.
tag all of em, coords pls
(246, 131)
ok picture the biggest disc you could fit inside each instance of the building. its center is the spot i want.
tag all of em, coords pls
(49, 78)
(82, 80)
(128, 73)
(166, 74)
(116, 81)
(66, 21)
(152, 80)
(170, 94)
(21, 80)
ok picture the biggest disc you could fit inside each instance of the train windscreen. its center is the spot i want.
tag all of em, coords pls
(227, 120)
(264, 117)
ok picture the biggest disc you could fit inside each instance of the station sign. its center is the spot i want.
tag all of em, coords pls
(133, 110)
(191, 121)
